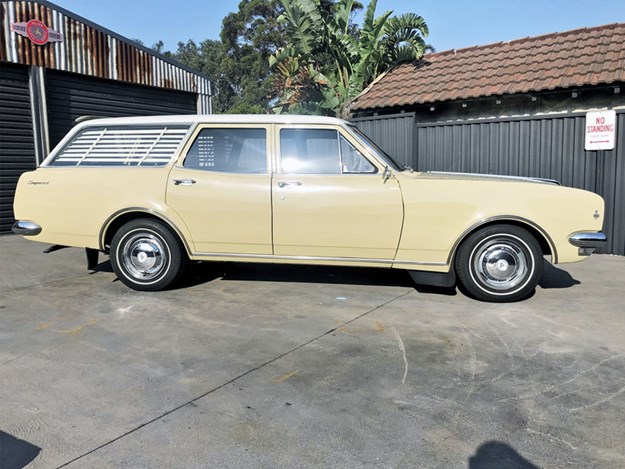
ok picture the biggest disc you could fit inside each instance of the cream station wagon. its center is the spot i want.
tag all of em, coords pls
(157, 192)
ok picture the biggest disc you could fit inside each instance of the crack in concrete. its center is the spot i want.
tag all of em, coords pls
(472, 353)
(568, 381)
(402, 349)
(600, 401)
(43, 284)
(233, 380)
(551, 438)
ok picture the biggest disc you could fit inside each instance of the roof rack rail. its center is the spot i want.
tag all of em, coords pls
(80, 119)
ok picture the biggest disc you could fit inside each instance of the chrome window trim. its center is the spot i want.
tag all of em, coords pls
(193, 135)
(374, 151)
(340, 140)
(342, 131)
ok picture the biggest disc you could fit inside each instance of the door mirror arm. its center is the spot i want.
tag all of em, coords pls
(386, 174)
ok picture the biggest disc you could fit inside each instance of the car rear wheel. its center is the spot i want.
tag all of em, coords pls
(499, 263)
(146, 255)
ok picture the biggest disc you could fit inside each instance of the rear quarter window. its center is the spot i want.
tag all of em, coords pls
(122, 146)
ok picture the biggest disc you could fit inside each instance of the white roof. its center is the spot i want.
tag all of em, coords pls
(215, 119)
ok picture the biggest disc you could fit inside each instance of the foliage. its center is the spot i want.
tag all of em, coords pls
(238, 63)
(249, 37)
(329, 60)
(304, 56)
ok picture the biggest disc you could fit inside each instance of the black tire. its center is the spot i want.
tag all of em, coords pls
(146, 255)
(499, 263)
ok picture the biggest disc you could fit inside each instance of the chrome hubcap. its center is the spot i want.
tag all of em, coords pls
(501, 264)
(144, 256)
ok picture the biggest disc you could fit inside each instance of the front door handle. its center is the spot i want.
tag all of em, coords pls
(184, 182)
(289, 183)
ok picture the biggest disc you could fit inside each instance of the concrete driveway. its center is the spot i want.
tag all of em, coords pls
(274, 366)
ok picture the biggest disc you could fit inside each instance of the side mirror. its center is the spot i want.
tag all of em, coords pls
(386, 174)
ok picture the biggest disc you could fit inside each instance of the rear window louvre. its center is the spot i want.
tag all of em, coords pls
(122, 146)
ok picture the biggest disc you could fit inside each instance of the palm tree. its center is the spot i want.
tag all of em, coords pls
(330, 60)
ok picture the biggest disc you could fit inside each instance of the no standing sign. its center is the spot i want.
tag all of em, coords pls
(600, 130)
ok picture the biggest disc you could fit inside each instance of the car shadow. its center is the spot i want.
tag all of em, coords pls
(203, 272)
(430, 289)
(498, 455)
(554, 277)
(198, 273)
(16, 453)
(102, 267)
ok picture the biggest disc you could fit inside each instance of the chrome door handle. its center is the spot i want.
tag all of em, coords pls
(184, 182)
(289, 183)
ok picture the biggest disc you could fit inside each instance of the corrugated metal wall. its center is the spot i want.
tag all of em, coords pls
(17, 148)
(71, 96)
(393, 133)
(539, 146)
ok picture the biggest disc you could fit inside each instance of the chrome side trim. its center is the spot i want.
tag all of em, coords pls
(554, 252)
(26, 228)
(498, 176)
(588, 239)
(149, 211)
(359, 260)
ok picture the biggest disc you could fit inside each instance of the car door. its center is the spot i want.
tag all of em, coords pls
(330, 201)
(221, 188)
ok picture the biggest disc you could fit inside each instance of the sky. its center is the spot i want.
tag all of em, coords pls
(453, 24)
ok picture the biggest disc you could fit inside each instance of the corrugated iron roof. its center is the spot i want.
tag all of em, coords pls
(581, 57)
(89, 49)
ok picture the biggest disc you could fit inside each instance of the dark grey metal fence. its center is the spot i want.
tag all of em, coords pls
(539, 146)
(394, 133)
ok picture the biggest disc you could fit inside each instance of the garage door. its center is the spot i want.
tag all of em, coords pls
(17, 148)
(71, 96)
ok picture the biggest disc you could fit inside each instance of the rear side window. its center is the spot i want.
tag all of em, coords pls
(122, 146)
(229, 150)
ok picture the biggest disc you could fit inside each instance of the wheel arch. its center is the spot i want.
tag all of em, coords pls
(544, 240)
(118, 219)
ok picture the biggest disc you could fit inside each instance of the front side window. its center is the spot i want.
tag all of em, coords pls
(353, 161)
(229, 150)
(310, 151)
(320, 151)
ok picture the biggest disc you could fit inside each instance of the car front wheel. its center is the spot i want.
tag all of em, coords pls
(146, 255)
(499, 263)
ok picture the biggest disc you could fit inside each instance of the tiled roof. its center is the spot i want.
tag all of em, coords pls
(582, 57)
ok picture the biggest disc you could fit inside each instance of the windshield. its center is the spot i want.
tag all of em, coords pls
(381, 154)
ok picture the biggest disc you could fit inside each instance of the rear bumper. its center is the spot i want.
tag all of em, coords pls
(588, 241)
(26, 228)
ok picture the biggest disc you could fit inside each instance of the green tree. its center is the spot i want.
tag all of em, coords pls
(206, 57)
(249, 37)
(329, 60)
(238, 63)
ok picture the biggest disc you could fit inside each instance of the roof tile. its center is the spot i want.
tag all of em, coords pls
(586, 56)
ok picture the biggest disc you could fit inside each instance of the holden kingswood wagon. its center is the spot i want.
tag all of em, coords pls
(157, 192)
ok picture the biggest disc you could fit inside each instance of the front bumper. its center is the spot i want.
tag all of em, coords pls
(588, 241)
(26, 228)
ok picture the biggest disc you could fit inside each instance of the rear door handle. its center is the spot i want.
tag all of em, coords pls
(184, 182)
(289, 183)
